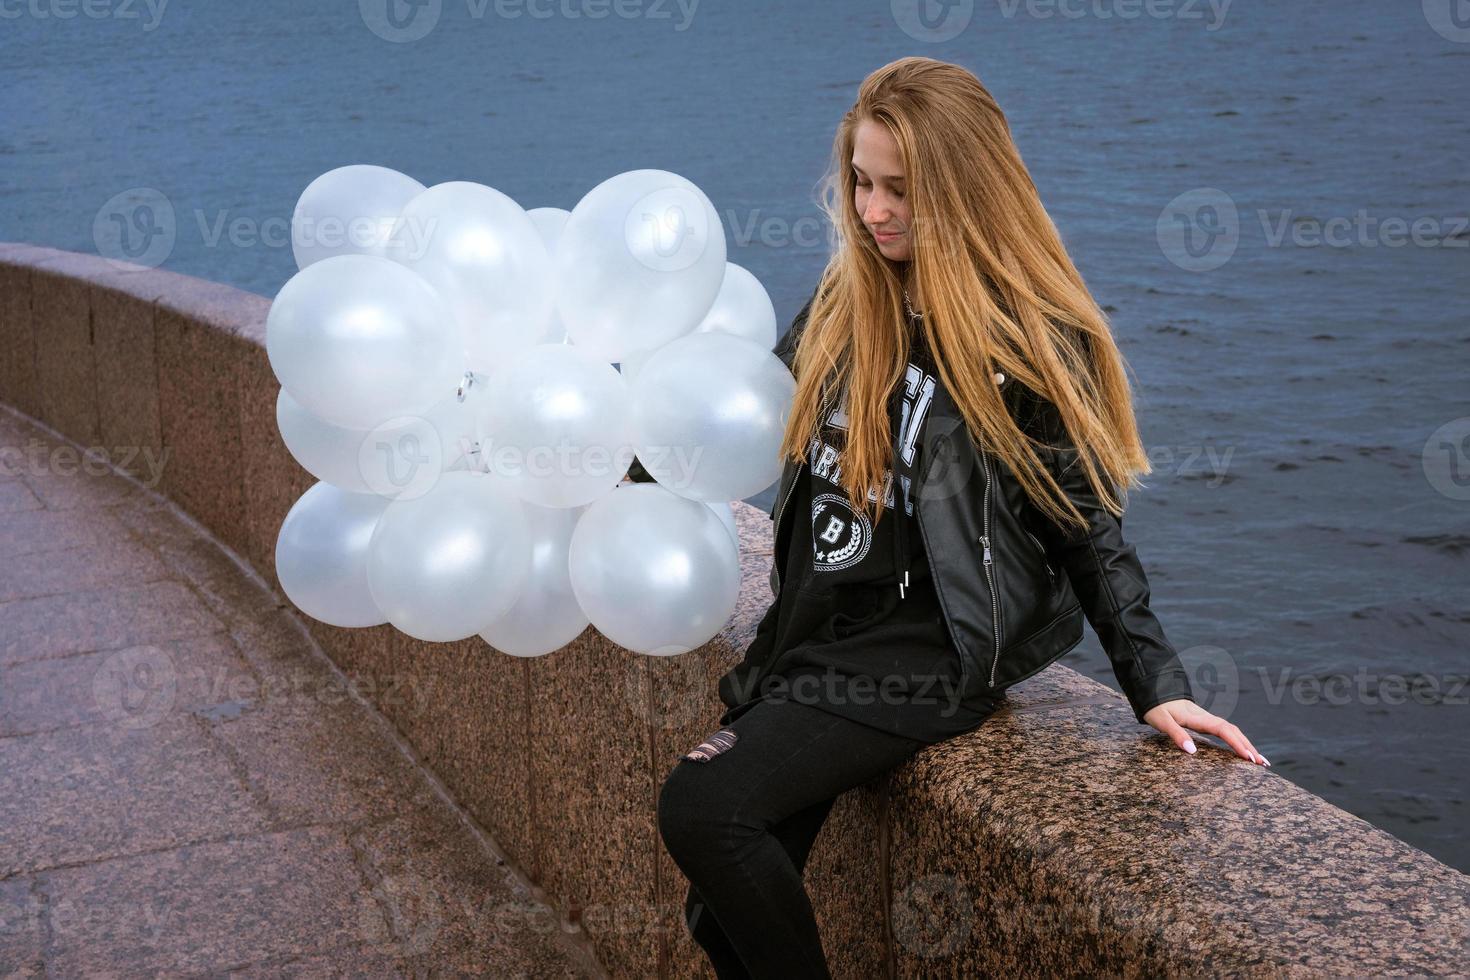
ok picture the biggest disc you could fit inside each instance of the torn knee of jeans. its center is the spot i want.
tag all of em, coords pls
(720, 741)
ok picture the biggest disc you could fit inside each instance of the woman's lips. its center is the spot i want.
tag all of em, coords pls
(887, 237)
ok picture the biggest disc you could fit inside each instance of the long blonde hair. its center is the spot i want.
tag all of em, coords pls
(999, 293)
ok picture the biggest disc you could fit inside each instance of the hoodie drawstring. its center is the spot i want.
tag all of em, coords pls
(900, 527)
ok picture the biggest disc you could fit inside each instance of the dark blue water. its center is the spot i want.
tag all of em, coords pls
(1306, 530)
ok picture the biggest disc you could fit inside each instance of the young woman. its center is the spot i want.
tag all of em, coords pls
(946, 535)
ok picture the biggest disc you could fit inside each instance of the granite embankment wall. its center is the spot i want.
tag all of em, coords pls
(1061, 838)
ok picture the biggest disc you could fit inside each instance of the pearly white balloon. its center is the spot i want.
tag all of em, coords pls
(349, 210)
(654, 572)
(726, 514)
(709, 413)
(447, 564)
(322, 554)
(546, 617)
(549, 223)
(638, 264)
(485, 256)
(743, 308)
(555, 426)
(356, 339)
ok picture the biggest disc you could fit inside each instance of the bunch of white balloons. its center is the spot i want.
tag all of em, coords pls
(447, 369)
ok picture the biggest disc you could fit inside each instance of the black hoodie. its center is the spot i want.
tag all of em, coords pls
(857, 629)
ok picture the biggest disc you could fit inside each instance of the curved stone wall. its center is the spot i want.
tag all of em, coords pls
(1060, 838)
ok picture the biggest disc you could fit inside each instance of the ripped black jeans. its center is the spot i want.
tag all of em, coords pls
(741, 824)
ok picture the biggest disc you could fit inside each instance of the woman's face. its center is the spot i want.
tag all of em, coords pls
(880, 197)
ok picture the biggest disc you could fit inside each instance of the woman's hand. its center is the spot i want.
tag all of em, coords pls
(1173, 717)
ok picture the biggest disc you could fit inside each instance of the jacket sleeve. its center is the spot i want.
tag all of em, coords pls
(1110, 583)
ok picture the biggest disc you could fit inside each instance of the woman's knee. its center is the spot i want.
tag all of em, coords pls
(690, 816)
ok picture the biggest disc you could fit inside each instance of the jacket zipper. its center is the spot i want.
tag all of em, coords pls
(779, 511)
(989, 575)
(1045, 558)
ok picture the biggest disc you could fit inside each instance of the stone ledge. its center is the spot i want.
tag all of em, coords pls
(1059, 838)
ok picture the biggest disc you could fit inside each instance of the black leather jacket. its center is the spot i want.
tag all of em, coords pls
(1013, 587)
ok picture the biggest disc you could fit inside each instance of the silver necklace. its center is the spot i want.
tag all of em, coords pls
(908, 307)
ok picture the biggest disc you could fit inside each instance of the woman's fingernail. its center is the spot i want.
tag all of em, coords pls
(1189, 745)
(1265, 761)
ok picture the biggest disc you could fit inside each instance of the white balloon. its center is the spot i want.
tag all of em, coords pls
(322, 552)
(549, 223)
(485, 256)
(328, 452)
(357, 338)
(350, 210)
(742, 308)
(638, 264)
(555, 426)
(726, 514)
(709, 413)
(654, 572)
(546, 617)
(446, 564)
